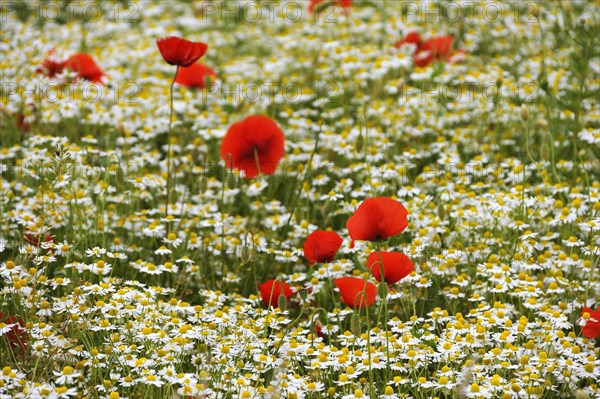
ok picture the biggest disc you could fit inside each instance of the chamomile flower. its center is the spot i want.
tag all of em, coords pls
(67, 376)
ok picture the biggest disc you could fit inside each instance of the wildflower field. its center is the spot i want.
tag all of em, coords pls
(300, 199)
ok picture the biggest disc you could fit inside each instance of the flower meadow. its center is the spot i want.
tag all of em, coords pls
(300, 199)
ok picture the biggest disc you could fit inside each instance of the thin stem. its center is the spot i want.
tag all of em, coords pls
(370, 370)
(222, 213)
(255, 151)
(169, 148)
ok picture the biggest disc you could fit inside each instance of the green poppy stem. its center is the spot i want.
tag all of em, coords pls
(169, 149)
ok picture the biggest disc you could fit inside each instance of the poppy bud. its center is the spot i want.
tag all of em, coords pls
(119, 177)
(231, 181)
(359, 144)
(441, 211)
(282, 302)
(245, 255)
(303, 294)
(541, 122)
(121, 129)
(544, 152)
(355, 327)
(203, 184)
(524, 112)
(401, 84)
(4, 110)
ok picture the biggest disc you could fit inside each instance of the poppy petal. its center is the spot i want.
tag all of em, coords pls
(271, 290)
(377, 219)
(437, 49)
(591, 329)
(194, 76)
(322, 246)
(181, 52)
(410, 38)
(17, 335)
(256, 136)
(50, 67)
(396, 266)
(356, 292)
(85, 67)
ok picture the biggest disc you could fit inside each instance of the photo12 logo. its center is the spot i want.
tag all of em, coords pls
(268, 11)
(491, 12)
(67, 11)
(75, 92)
(469, 92)
(270, 92)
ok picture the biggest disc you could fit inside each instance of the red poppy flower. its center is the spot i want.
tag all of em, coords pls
(38, 239)
(319, 329)
(412, 38)
(396, 266)
(322, 246)
(590, 322)
(50, 67)
(345, 4)
(356, 292)
(17, 336)
(255, 138)
(181, 52)
(433, 49)
(377, 219)
(437, 49)
(270, 291)
(21, 124)
(19, 117)
(84, 66)
(194, 76)
(25, 117)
